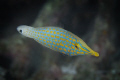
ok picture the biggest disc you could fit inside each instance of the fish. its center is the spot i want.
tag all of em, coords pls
(58, 39)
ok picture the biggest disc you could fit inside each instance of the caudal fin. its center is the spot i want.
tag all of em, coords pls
(96, 54)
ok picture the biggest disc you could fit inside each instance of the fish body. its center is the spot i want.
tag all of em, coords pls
(58, 39)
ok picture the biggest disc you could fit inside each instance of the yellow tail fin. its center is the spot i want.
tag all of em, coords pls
(96, 54)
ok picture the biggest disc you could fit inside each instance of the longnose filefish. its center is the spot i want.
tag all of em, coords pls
(57, 39)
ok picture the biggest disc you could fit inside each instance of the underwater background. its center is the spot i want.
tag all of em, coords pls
(97, 22)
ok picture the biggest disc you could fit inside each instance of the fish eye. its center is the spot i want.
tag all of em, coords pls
(21, 31)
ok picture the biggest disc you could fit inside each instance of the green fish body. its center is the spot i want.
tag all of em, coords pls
(58, 39)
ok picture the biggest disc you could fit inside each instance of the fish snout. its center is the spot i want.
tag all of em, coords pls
(19, 29)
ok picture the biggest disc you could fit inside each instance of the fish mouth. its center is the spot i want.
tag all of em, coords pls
(18, 29)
